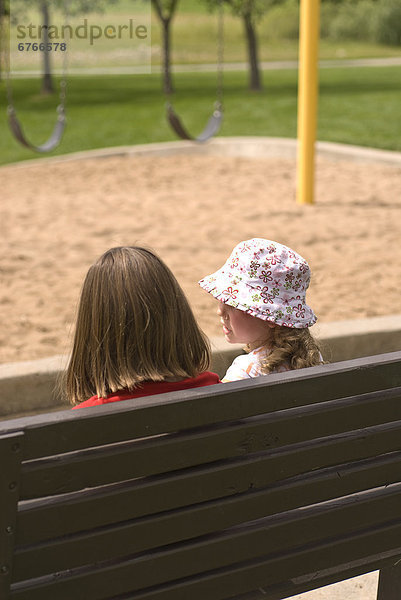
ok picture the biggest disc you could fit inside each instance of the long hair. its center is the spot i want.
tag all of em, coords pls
(134, 324)
(296, 348)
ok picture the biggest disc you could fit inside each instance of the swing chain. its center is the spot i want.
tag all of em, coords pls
(63, 96)
(61, 112)
(214, 122)
(220, 58)
(63, 82)
(218, 105)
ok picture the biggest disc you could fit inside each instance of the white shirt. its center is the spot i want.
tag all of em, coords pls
(250, 365)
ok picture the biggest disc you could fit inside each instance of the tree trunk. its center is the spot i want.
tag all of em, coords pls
(167, 79)
(255, 82)
(1, 35)
(47, 80)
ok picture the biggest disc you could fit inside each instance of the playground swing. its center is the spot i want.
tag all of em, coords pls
(15, 125)
(214, 123)
(57, 134)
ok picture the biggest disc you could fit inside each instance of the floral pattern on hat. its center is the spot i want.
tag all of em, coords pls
(266, 280)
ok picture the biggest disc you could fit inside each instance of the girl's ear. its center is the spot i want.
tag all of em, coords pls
(271, 325)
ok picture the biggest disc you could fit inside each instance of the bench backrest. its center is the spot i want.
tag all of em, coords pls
(286, 482)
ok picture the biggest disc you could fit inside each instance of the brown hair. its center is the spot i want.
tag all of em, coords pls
(293, 347)
(134, 324)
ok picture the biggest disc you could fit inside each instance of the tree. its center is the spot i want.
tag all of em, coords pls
(47, 80)
(250, 11)
(44, 6)
(4, 14)
(165, 10)
(2, 11)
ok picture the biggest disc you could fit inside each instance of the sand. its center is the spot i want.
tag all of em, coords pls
(58, 217)
(363, 587)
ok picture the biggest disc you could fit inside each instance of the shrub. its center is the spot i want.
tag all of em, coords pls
(282, 21)
(328, 12)
(387, 22)
(353, 21)
(368, 20)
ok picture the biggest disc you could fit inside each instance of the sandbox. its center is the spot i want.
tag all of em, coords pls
(193, 204)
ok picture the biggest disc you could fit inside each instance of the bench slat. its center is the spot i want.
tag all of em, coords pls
(47, 435)
(282, 533)
(194, 566)
(41, 519)
(206, 518)
(122, 462)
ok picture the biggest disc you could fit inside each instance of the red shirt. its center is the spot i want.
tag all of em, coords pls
(150, 388)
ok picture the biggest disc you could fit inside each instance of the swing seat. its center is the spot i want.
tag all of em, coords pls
(212, 126)
(50, 144)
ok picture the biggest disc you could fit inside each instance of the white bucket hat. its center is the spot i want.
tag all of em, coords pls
(266, 280)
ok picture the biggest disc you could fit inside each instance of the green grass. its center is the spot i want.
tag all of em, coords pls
(356, 106)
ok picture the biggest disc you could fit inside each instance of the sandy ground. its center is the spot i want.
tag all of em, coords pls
(358, 588)
(57, 218)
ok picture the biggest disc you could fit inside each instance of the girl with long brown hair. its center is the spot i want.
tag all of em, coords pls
(135, 333)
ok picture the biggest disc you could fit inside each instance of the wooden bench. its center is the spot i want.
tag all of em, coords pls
(256, 489)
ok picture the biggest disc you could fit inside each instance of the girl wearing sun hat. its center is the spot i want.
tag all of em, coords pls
(261, 292)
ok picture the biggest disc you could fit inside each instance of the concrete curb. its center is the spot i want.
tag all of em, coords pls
(29, 387)
(247, 147)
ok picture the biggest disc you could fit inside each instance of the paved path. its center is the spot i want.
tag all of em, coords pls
(342, 63)
(293, 64)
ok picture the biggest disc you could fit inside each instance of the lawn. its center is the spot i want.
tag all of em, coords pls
(357, 106)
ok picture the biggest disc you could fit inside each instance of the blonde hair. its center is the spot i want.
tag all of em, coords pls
(293, 347)
(134, 324)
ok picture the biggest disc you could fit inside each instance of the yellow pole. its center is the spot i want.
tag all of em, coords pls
(307, 98)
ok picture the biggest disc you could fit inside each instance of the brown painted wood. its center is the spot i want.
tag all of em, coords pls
(312, 524)
(164, 528)
(50, 517)
(11, 448)
(206, 517)
(104, 465)
(70, 430)
(264, 479)
(181, 576)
